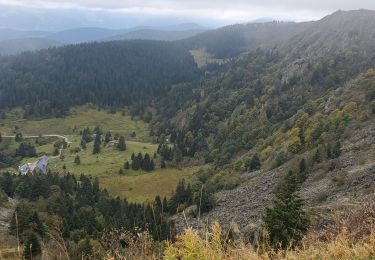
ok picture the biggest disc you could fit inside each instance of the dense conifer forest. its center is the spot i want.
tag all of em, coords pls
(114, 74)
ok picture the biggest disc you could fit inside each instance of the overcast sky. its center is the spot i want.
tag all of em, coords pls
(223, 11)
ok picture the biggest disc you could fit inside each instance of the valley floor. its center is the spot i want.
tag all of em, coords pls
(136, 186)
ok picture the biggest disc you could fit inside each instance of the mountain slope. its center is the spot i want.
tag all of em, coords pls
(331, 183)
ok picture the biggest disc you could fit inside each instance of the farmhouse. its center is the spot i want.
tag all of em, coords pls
(39, 166)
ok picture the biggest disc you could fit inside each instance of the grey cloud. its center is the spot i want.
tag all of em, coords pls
(228, 10)
(195, 4)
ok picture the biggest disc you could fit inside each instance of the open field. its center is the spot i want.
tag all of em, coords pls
(146, 186)
(203, 58)
(136, 186)
(108, 161)
(79, 118)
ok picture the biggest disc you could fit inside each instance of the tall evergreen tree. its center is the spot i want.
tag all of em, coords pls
(146, 164)
(97, 143)
(152, 165)
(177, 154)
(121, 143)
(254, 163)
(286, 222)
(77, 160)
(18, 138)
(162, 164)
(139, 159)
(83, 144)
(317, 156)
(107, 137)
(302, 175)
(126, 165)
(32, 247)
(336, 151)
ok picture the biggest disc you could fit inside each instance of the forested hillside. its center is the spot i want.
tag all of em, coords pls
(277, 71)
(115, 74)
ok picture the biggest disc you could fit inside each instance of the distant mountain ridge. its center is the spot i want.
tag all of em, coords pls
(157, 35)
(14, 46)
(16, 41)
(86, 34)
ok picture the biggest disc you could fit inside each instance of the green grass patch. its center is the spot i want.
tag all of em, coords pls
(78, 119)
(202, 58)
(146, 186)
(136, 186)
(107, 162)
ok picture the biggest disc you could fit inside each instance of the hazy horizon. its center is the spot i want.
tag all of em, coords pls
(66, 14)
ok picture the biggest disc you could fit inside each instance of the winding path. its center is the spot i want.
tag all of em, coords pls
(36, 136)
(50, 135)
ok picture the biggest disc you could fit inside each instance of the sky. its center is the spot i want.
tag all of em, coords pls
(209, 12)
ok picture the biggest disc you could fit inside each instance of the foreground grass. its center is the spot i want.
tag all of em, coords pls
(213, 247)
(350, 235)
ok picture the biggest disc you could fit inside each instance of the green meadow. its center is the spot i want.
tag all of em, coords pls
(137, 186)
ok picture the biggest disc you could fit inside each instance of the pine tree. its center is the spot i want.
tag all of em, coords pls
(83, 144)
(162, 164)
(107, 137)
(317, 157)
(286, 222)
(254, 163)
(139, 159)
(165, 205)
(329, 151)
(137, 162)
(146, 165)
(152, 165)
(56, 151)
(121, 144)
(77, 160)
(18, 137)
(126, 165)
(301, 135)
(205, 201)
(302, 175)
(97, 142)
(32, 247)
(336, 152)
(177, 154)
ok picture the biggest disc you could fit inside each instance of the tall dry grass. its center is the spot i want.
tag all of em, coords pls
(350, 235)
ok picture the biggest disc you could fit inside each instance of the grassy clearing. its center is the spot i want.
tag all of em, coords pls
(203, 58)
(79, 118)
(143, 187)
(137, 186)
(107, 162)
